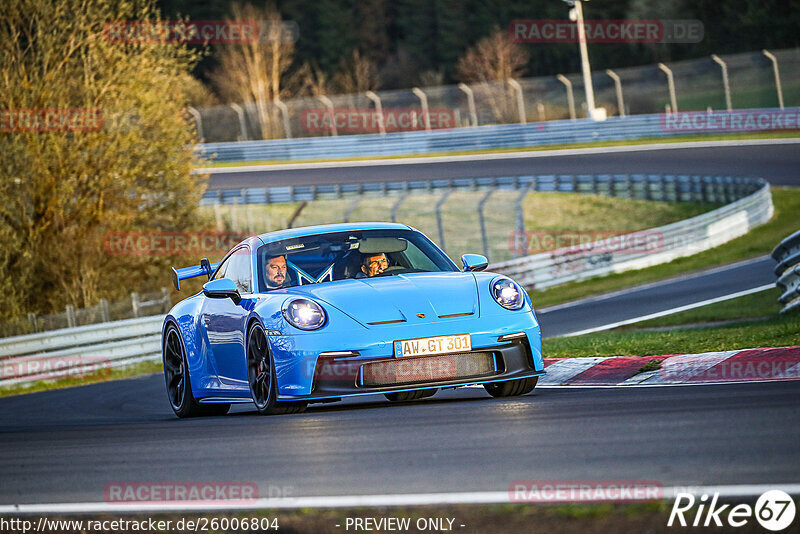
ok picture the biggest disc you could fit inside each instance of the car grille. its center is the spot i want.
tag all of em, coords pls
(443, 367)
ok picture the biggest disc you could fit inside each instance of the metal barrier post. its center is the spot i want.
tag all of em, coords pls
(423, 100)
(287, 127)
(774, 61)
(350, 209)
(71, 323)
(242, 126)
(135, 304)
(725, 83)
(198, 121)
(520, 100)
(618, 87)
(397, 206)
(378, 109)
(671, 86)
(482, 221)
(439, 218)
(104, 311)
(570, 97)
(473, 114)
(34, 322)
(520, 222)
(328, 104)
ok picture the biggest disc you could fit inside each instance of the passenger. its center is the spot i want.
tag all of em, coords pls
(276, 273)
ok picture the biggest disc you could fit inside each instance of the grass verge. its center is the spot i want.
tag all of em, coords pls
(758, 241)
(141, 368)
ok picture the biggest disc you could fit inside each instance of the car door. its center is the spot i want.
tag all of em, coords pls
(224, 321)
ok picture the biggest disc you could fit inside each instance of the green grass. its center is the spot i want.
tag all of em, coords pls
(778, 331)
(142, 368)
(755, 306)
(642, 141)
(758, 241)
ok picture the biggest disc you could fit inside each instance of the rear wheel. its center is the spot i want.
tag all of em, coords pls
(179, 385)
(511, 388)
(261, 377)
(404, 396)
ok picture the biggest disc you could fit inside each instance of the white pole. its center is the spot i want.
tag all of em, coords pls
(242, 126)
(725, 82)
(198, 120)
(328, 104)
(520, 100)
(423, 100)
(618, 87)
(378, 109)
(671, 84)
(774, 60)
(287, 128)
(473, 115)
(570, 97)
(587, 73)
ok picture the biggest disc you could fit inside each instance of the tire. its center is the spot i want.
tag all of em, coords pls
(511, 388)
(261, 376)
(405, 396)
(178, 382)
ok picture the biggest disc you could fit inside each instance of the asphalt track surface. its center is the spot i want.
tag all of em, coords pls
(777, 163)
(656, 297)
(66, 445)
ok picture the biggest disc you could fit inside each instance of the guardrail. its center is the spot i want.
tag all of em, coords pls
(496, 136)
(80, 351)
(622, 253)
(787, 254)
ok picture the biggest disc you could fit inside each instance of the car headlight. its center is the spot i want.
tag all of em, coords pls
(508, 294)
(304, 314)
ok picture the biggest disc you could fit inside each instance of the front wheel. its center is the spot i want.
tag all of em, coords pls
(261, 377)
(511, 388)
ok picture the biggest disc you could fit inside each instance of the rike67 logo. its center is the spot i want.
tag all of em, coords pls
(774, 510)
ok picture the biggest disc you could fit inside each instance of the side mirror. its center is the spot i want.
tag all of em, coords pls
(222, 288)
(474, 262)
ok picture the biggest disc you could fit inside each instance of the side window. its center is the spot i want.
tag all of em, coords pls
(237, 268)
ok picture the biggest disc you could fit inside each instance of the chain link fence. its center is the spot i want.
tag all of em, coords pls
(642, 90)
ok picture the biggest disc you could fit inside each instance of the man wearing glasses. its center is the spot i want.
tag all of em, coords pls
(374, 264)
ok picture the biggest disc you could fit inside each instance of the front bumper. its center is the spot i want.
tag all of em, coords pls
(311, 377)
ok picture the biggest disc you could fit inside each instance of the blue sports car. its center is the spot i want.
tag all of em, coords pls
(315, 314)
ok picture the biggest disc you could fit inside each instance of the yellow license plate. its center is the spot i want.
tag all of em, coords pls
(426, 346)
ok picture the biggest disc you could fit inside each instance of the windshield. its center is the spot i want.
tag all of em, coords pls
(335, 256)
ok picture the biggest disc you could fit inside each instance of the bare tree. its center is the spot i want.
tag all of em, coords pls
(253, 72)
(491, 63)
(356, 75)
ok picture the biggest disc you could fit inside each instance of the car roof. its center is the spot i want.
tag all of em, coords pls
(290, 233)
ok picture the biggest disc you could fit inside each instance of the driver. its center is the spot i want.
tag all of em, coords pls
(374, 264)
(276, 273)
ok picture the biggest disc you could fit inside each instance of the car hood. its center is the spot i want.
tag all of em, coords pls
(372, 301)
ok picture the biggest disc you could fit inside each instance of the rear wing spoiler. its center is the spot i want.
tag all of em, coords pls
(205, 268)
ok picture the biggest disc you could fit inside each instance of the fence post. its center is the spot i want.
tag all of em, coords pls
(570, 97)
(618, 86)
(166, 300)
(135, 304)
(423, 101)
(378, 109)
(397, 206)
(774, 61)
(482, 222)
(350, 209)
(473, 114)
(71, 323)
(520, 223)
(671, 86)
(242, 126)
(328, 104)
(520, 100)
(198, 121)
(104, 311)
(287, 127)
(34, 322)
(725, 82)
(439, 218)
